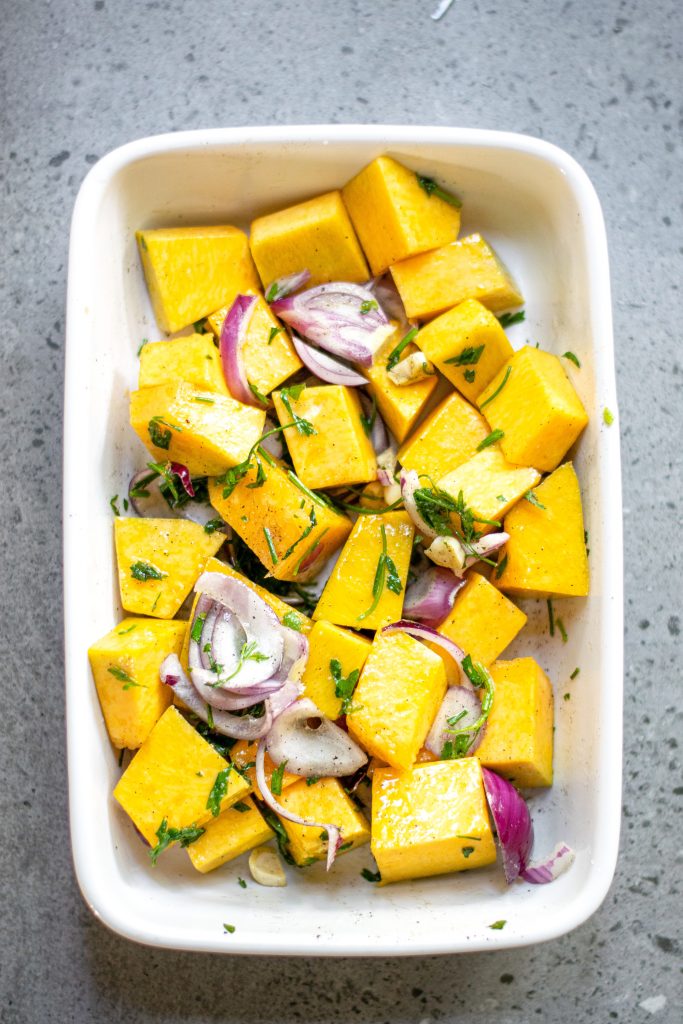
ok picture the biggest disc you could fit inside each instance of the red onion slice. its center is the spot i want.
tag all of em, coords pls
(421, 631)
(512, 821)
(325, 366)
(238, 727)
(430, 598)
(542, 872)
(410, 482)
(311, 744)
(458, 699)
(332, 316)
(183, 474)
(386, 293)
(283, 286)
(233, 334)
(334, 839)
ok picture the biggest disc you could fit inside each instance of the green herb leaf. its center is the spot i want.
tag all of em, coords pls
(468, 357)
(199, 327)
(229, 928)
(470, 376)
(367, 306)
(260, 477)
(608, 417)
(533, 500)
(502, 565)
(166, 836)
(114, 506)
(197, 626)
(240, 881)
(370, 876)
(551, 616)
(466, 851)
(397, 352)
(429, 186)
(273, 333)
(343, 686)
(122, 632)
(292, 621)
(201, 398)
(311, 525)
(276, 779)
(218, 791)
(498, 390)
(257, 394)
(213, 525)
(280, 834)
(123, 677)
(271, 547)
(393, 582)
(497, 925)
(142, 344)
(312, 779)
(508, 319)
(209, 717)
(146, 571)
(386, 573)
(368, 422)
(563, 632)
(159, 435)
(572, 359)
(575, 673)
(249, 652)
(492, 438)
(567, 696)
(240, 806)
(287, 395)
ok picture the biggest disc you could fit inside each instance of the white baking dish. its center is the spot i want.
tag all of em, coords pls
(540, 211)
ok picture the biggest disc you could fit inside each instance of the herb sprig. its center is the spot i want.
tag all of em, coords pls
(429, 186)
(343, 686)
(386, 575)
(166, 836)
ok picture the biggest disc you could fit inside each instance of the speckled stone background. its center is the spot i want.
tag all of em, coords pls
(81, 77)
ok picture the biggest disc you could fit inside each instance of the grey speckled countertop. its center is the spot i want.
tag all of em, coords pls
(80, 77)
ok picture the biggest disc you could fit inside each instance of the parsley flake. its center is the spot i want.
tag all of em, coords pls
(572, 359)
(386, 575)
(498, 389)
(114, 506)
(492, 438)
(166, 836)
(508, 319)
(370, 876)
(276, 778)
(397, 352)
(218, 791)
(230, 928)
(608, 417)
(497, 925)
(144, 571)
(292, 621)
(429, 186)
(123, 677)
(343, 687)
(468, 357)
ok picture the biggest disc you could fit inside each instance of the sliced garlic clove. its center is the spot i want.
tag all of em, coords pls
(447, 551)
(412, 369)
(266, 867)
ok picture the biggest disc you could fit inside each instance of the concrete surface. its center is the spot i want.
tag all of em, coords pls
(81, 77)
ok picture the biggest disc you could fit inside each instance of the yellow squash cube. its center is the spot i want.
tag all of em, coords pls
(400, 406)
(546, 554)
(232, 833)
(207, 432)
(537, 409)
(125, 666)
(171, 777)
(243, 754)
(324, 801)
(466, 269)
(327, 643)
(292, 533)
(394, 217)
(348, 594)
(430, 820)
(194, 359)
(316, 235)
(490, 485)
(518, 739)
(468, 346)
(159, 561)
(482, 621)
(447, 438)
(267, 350)
(338, 451)
(192, 271)
(397, 697)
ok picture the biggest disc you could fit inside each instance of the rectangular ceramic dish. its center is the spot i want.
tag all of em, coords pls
(538, 208)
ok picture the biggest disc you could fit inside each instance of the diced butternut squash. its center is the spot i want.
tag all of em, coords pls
(537, 409)
(466, 269)
(291, 533)
(400, 406)
(125, 666)
(490, 485)
(267, 350)
(316, 235)
(159, 561)
(332, 449)
(243, 754)
(330, 643)
(397, 697)
(482, 621)
(324, 801)
(447, 438)
(190, 272)
(194, 359)
(468, 346)
(430, 820)
(171, 778)
(207, 432)
(232, 833)
(394, 217)
(348, 594)
(518, 739)
(546, 554)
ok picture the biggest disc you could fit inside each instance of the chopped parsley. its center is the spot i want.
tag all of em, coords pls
(312, 779)
(563, 632)
(271, 547)
(280, 834)
(144, 571)
(370, 876)
(497, 925)
(508, 319)
(249, 652)
(367, 306)
(368, 422)
(466, 851)
(551, 616)
(567, 696)
(141, 346)
(608, 417)
(209, 717)
(397, 352)
(273, 333)
(114, 506)
(498, 389)
(260, 477)
(122, 632)
(160, 432)
(276, 779)
(572, 359)
(242, 884)
(343, 687)
(166, 836)
(533, 500)
(213, 525)
(492, 438)
(292, 621)
(230, 928)
(292, 394)
(436, 507)
(218, 791)
(123, 677)
(240, 806)
(470, 375)
(257, 394)
(575, 673)
(468, 357)
(313, 522)
(386, 575)
(202, 398)
(199, 327)
(197, 626)
(429, 186)
(502, 565)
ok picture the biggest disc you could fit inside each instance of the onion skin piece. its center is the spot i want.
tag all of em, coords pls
(542, 872)
(233, 334)
(430, 598)
(325, 366)
(326, 751)
(512, 822)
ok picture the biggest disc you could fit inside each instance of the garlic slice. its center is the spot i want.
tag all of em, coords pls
(266, 867)
(447, 551)
(412, 369)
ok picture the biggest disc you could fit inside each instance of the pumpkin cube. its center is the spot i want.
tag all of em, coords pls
(267, 350)
(316, 235)
(125, 666)
(171, 778)
(394, 216)
(400, 405)
(468, 346)
(351, 596)
(232, 833)
(243, 754)
(397, 697)
(206, 431)
(467, 269)
(482, 621)
(546, 554)
(291, 531)
(430, 820)
(324, 801)
(332, 449)
(537, 409)
(518, 739)
(490, 486)
(194, 359)
(329, 643)
(192, 271)
(445, 439)
(159, 561)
